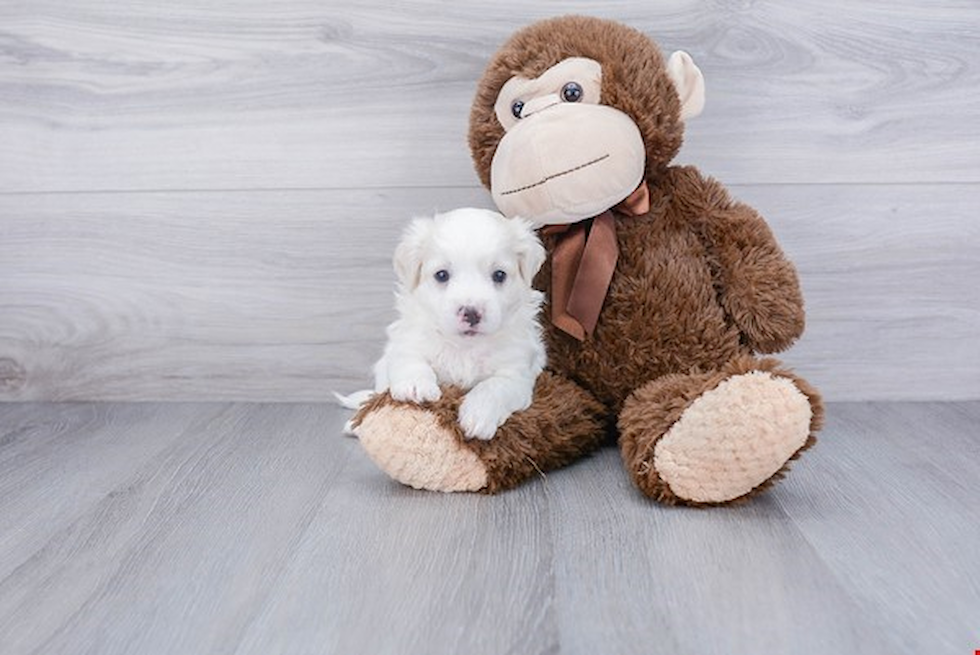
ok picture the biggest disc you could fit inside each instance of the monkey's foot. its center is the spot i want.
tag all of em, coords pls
(717, 437)
(423, 445)
(409, 444)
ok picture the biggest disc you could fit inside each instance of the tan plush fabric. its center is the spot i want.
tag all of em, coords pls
(661, 405)
(532, 183)
(409, 445)
(732, 437)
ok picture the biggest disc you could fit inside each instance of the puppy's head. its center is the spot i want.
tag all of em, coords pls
(469, 271)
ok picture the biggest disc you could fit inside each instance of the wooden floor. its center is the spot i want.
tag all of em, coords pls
(246, 528)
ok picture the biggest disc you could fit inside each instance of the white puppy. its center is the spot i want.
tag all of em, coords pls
(467, 316)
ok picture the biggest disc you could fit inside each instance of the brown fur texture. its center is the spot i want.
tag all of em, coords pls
(684, 296)
(700, 285)
(562, 425)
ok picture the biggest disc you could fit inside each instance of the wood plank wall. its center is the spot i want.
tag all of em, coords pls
(199, 200)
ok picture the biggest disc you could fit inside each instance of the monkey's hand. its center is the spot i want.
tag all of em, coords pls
(756, 284)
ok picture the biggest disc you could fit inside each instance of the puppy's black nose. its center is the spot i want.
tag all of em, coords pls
(471, 315)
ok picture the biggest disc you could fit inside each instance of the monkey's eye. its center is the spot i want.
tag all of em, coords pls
(516, 108)
(571, 92)
(441, 276)
(499, 277)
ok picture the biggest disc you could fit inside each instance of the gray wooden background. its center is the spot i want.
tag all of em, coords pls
(199, 200)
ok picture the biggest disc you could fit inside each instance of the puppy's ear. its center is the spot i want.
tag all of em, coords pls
(530, 252)
(410, 251)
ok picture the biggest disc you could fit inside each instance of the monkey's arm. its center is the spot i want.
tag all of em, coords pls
(756, 284)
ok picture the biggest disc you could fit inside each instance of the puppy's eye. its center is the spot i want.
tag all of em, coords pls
(571, 92)
(516, 108)
(499, 277)
(441, 276)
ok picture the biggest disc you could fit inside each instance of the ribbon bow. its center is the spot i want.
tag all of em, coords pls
(583, 263)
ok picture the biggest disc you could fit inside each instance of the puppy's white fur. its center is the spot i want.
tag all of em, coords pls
(467, 316)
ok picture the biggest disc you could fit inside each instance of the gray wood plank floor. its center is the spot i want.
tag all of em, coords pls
(249, 528)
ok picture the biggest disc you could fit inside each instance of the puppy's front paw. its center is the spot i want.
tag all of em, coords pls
(480, 416)
(419, 390)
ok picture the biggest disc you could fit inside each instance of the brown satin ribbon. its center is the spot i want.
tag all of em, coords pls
(583, 263)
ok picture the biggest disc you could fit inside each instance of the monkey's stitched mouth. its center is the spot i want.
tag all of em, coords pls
(554, 175)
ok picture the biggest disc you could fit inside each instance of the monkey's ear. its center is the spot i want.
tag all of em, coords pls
(410, 251)
(688, 81)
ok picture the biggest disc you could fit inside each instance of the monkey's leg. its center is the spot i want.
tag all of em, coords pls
(717, 437)
(423, 446)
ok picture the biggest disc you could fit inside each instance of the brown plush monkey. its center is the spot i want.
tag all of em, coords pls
(660, 288)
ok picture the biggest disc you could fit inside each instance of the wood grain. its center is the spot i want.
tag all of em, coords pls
(199, 202)
(285, 295)
(256, 528)
(889, 494)
(142, 96)
(420, 574)
(125, 574)
(95, 457)
(201, 295)
(735, 580)
(887, 273)
(259, 530)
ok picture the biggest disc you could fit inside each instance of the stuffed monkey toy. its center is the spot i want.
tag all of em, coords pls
(661, 290)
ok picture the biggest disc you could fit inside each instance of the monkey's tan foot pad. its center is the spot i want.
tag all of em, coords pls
(409, 445)
(734, 438)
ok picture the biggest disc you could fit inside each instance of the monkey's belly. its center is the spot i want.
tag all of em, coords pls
(661, 315)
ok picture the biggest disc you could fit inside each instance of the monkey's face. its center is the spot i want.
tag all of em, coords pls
(564, 156)
(573, 113)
